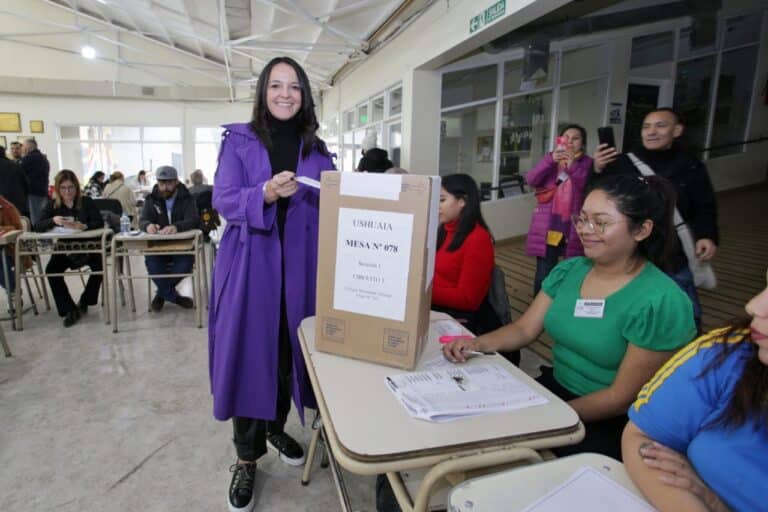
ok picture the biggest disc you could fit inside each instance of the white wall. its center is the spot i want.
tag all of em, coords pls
(63, 110)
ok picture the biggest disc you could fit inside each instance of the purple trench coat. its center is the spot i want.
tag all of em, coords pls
(545, 175)
(244, 314)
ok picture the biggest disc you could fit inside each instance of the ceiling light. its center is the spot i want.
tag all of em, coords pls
(88, 51)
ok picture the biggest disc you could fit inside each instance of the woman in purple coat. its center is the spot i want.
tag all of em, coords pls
(559, 179)
(264, 278)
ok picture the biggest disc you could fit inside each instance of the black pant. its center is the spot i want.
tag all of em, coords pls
(60, 263)
(250, 435)
(603, 436)
(545, 265)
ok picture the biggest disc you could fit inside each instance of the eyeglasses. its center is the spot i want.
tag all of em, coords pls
(595, 226)
(68, 188)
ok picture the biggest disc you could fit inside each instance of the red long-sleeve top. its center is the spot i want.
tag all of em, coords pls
(463, 277)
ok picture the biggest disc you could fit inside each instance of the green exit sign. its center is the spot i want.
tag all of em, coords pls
(488, 16)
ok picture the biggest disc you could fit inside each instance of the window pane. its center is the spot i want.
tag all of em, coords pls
(132, 133)
(89, 133)
(466, 144)
(583, 104)
(156, 155)
(208, 134)
(742, 30)
(693, 89)
(125, 157)
(71, 157)
(525, 133)
(69, 133)
(585, 63)
(686, 50)
(349, 120)
(362, 115)
(734, 90)
(90, 158)
(162, 133)
(206, 159)
(652, 49)
(396, 101)
(469, 85)
(395, 143)
(513, 75)
(378, 109)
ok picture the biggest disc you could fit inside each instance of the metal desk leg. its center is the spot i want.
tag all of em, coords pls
(4, 343)
(115, 280)
(310, 457)
(17, 324)
(43, 283)
(196, 273)
(11, 305)
(127, 262)
(338, 478)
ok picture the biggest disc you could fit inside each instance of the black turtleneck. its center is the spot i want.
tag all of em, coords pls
(283, 156)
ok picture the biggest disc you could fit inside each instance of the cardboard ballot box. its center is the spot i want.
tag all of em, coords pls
(376, 259)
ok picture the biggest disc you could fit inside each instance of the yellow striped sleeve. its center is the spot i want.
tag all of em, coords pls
(712, 338)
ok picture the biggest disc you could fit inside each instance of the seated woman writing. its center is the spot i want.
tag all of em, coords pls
(464, 258)
(70, 209)
(614, 316)
(697, 439)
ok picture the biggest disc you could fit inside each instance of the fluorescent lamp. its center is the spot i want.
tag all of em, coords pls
(88, 51)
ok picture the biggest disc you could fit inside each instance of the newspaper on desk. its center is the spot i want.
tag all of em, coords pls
(443, 393)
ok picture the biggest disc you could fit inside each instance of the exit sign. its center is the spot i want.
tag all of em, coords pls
(488, 16)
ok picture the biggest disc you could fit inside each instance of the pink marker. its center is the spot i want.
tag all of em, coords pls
(448, 339)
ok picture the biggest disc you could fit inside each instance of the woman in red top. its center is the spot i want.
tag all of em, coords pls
(464, 259)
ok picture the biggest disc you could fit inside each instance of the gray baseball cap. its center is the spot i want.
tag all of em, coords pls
(166, 172)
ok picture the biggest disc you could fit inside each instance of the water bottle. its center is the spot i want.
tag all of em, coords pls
(125, 224)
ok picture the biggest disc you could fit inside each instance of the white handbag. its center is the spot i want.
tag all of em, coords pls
(703, 274)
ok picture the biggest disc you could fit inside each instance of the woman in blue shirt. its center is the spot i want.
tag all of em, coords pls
(697, 439)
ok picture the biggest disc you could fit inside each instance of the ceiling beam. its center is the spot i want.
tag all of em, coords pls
(297, 46)
(192, 27)
(302, 11)
(223, 36)
(129, 31)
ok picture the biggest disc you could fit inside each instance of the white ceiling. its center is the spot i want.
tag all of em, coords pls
(213, 44)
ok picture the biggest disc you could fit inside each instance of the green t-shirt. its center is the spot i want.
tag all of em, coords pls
(650, 312)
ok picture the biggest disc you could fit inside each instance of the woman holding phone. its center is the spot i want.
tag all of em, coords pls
(559, 179)
(71, 210)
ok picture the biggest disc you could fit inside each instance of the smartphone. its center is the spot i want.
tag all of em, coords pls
(561, 142)
(605, 136)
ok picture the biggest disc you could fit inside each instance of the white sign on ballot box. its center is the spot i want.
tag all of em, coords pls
(372, 262)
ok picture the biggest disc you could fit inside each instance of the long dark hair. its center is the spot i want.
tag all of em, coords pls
(462, 186)
(750, 396)
(640, 198)
(306, 119)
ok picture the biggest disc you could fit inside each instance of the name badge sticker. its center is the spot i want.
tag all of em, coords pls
(589, 308)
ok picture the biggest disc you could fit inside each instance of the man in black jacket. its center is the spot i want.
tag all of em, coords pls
(36, 167)
(696, 202)
(13, 184)
(169, 209)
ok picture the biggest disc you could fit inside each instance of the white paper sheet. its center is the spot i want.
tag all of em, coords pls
(373, 251)
(445, 394)
(61, 230)
(371, 185)
(588, 490)
(304, 180)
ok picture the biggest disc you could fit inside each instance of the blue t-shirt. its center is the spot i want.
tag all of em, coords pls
(676, 406)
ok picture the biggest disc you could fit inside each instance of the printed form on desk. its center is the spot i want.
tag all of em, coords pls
(443, 394)
(588, 490)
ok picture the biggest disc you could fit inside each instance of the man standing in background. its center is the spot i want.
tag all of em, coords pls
(36, 167)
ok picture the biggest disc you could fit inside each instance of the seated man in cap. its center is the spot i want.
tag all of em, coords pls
(169, 209)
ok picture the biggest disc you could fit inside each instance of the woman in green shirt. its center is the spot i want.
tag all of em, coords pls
(614, 316)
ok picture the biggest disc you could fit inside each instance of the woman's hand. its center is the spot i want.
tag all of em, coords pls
(281, 185)
(604, 154)
(58, 220)
(454, 351)
(677, 472)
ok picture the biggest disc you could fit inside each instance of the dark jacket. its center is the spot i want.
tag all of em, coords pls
(87, 213)
(13, 185)
(184, 214)
(695, 196)
(36, 167)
